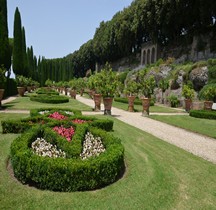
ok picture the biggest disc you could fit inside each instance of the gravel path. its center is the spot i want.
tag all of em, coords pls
(196, 144)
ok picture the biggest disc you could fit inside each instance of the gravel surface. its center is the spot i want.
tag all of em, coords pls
(196, 144)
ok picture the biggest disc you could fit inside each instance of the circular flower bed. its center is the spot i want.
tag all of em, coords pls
(91, 159)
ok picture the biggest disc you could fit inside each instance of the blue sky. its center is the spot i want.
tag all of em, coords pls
(57, 28)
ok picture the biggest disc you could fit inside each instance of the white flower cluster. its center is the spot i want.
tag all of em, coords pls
(43, 112)
(92, 146)
(69, 113)
(42, 148)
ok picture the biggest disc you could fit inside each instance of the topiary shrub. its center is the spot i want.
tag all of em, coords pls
(70, 173)
(47, 91)
(203, 114)
(52, 99)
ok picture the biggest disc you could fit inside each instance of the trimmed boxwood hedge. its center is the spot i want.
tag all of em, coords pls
(137, 101)
(203, 114)
(19, 126)
(71, 173)
(36, 112)
(47, 91)
(52, 99)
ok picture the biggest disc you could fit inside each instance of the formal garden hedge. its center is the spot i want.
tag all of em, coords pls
(203, 114)
(41, 116)
(47, 91)
(52, 99)
(137, 101)
(63, 163)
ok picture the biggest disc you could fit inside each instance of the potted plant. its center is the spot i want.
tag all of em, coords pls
(106, 83)
(208, 93)
(188, 93)
(81, 84)
(49, 83)
(21, 84)
(131, 90)
(66, 86)
(73, 86)
(29, 82)
(163, 85)
(147, 85)
(2, 83)
(173, 99)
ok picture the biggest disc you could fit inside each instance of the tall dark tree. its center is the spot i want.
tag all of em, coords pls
(25, 63)
(5, 53)
(18, 65)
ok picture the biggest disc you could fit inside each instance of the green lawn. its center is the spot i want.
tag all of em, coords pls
(138, 108)
(158, 176)
(202, 126)
(24, 103)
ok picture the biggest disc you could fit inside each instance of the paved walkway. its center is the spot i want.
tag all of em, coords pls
(196, 144)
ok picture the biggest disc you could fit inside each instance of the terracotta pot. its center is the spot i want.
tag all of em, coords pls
(146, 105)
(107, 105)
(21, 91)
(97, 100)
(73, 94)
(188, 105)
(208, 105)
(131, 103)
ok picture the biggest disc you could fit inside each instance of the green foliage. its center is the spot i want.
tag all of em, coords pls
(173, 99)
(18, 65)
(11, 88)
(52, 99)
(2, 78)
(71, 173)
(203, 114)
(73, 84)
(137, 101)
(49, 83)
(81, 84)
(208, 92)
(164, 85)
(187, 92)
(212, 74)
(21, 81)
(46, 91)
(132, 87)
(147, 84)
(106, 81)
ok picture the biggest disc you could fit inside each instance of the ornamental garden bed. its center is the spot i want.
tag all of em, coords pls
(66, 154)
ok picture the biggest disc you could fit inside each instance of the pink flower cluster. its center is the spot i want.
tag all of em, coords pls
(57, 116)
(65, 132)
(79, 121)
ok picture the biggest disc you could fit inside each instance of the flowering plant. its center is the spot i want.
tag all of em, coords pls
(57, 116)
(42, 148)
(65, 132)
(92, 146)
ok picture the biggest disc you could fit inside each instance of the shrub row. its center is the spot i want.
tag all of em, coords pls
(47, 91)
(36, 112)
(52, 99)
(137, 101)
(70, 174)
(19, 126)
(203, 114)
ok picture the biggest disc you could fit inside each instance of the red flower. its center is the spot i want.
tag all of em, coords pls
(57, 116)
(65, 132)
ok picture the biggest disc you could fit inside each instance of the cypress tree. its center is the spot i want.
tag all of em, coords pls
(18, 66)
(25, 64)
(5, 53)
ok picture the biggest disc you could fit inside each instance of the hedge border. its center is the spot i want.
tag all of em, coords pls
(203, 114)
(71, 174)
(52, 99)
(137, 101)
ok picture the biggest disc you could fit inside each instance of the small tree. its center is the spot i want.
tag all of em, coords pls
(131, 87)
(187, 92)
(48, 83)
(163, 85)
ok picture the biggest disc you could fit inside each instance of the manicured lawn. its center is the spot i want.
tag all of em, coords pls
(202, 126)
(158, 176)
(139, 108)
(24, 103)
